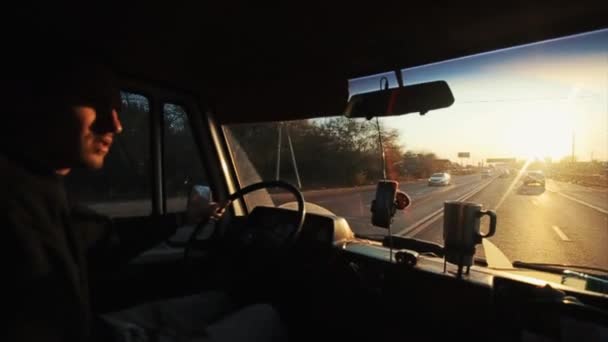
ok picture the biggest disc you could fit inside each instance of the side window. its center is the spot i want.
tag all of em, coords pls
(122, 186)
(183, 167)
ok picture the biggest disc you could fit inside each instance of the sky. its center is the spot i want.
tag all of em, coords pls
(531, 101)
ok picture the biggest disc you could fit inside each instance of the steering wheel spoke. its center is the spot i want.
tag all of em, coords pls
(250, 236)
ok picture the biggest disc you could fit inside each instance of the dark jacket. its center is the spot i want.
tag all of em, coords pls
(47, 249)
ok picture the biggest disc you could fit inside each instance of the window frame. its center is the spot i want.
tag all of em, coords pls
(205, 137)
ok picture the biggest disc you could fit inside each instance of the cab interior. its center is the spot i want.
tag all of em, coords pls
(228, 63)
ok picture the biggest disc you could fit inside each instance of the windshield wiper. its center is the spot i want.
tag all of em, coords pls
(420, 246)
(594, 282)
(480, 261)
(559, 268)
(401, 242)
(373, 237)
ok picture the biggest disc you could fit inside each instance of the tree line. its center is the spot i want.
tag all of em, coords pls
(331, 152)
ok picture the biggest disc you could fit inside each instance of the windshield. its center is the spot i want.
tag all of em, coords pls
(542, 106)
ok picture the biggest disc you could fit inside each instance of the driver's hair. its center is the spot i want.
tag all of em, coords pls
(40, 86)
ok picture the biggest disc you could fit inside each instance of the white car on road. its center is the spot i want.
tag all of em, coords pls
(440, 178)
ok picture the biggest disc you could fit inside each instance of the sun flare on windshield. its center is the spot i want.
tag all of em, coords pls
(542, 133)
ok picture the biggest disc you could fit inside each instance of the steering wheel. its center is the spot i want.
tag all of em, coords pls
(300, 215)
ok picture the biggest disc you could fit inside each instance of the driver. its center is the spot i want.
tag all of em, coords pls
(65, 115)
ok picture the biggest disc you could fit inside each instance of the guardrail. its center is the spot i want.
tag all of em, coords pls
(582, 179)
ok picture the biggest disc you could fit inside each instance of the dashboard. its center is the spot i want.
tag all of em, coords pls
(273, 226)
(505, 308)
(543, 313)
(484, 305)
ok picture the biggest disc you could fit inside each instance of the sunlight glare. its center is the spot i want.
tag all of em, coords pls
(521, 172)
(543, 132)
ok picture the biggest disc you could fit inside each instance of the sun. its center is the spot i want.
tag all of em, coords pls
(541, 134)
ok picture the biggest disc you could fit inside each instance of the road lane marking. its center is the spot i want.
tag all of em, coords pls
(583, 203)
(424, 226)
(430, 219)
(560, 233)
(509, 190)
(435, 190)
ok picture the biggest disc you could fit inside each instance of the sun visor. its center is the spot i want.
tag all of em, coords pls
(280, 99)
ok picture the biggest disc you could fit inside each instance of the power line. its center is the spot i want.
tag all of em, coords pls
(539, 99)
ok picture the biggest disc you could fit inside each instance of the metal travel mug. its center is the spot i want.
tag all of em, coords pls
(461, 231)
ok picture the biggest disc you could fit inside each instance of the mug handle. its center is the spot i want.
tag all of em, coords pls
(492, 215)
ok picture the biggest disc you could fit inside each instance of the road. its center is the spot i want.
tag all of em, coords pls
(565, 223)
(354, 204)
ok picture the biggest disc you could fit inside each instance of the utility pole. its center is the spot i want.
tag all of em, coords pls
(293, 158)
(293, 155)
(279, 153)
(572, 157)
(381, 146)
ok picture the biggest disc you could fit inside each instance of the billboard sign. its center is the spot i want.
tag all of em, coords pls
(501, 160)
(464, 155)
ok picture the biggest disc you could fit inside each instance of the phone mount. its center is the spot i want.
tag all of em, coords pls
(388, 199)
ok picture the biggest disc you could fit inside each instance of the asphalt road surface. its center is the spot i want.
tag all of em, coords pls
(564, 223)
(354, 204)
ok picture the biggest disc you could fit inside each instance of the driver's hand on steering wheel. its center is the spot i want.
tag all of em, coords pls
(213, 211)
(217, 210)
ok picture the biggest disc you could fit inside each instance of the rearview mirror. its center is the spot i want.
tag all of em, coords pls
(416, 98)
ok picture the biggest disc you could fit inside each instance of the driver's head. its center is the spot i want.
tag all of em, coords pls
(66, 112)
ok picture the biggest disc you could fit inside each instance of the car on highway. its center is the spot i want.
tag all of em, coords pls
(534, 178)
(440, 178)
(315, 129)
